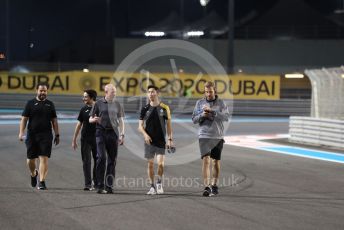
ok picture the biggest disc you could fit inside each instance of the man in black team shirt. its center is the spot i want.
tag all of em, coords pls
(154, 119)
(88, 139)
(41, 114)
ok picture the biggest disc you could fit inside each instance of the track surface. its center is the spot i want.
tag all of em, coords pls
(260, 190)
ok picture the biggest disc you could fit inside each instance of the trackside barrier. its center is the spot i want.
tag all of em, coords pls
(282, 107)
(317, 131)
(325, 126)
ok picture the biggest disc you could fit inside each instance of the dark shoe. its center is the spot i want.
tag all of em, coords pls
(34, 179)
(41, 185)
(214, 190)
(207, 191)
(109, 190)
(88, 189)
(101, 191)
(94, 184)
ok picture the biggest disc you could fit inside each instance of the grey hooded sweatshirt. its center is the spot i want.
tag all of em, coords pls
(211, 128)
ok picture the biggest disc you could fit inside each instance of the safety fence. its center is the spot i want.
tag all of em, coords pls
(327, 92)
(325, 126)
(317, 131)
(178, 105)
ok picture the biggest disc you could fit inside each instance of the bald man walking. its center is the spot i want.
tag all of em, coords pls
(108, 114)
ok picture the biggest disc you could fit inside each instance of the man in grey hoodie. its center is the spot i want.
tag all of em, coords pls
(210, 113)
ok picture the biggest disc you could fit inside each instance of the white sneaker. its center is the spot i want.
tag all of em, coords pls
(151, 191)
(159, 189)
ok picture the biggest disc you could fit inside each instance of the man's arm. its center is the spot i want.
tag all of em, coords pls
(121, 130)
(56, 130)
(223, 113)
(93, 114)
(142, 130)
(76, 133)
(169, 133)
(94, 119)
(198, 115)
(22, 127)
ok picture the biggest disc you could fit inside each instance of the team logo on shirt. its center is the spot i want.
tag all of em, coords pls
(36, 103)
(161, 112)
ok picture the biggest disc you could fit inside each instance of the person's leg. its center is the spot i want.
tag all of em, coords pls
(33, 171)
(31, 163)
(205, 149)
(215, 171)
(86, 163)
(206, 175)
(94, 156)
(161, 162)
(150, 170)
(32, 156)
(44, 141)
(216, 157)
(206, 170)
(43, 167)
(112, 150)
(101, 159)
(149, 155)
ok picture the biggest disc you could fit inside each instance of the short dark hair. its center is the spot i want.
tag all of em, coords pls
(153, 87)
(91, 93)
(209, 84)
(42, 84)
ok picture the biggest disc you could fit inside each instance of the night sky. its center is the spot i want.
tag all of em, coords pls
(37, 27)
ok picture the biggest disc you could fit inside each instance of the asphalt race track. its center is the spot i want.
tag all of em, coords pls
(259, 189)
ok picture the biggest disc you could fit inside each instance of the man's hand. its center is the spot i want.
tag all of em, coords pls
(57, 139)
(74, 145)
(170, 146)
(207, 109)
(21, 136)
(148, 140)
(206, 114)
(121, 140)
(97, 119)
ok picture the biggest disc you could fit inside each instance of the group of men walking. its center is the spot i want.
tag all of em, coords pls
(103, 129)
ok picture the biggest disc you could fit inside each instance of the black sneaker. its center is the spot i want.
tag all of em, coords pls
(109, 190)
(214, 189)
(88, 189)
(207, 191)
(101, 191)
(34, 179)
(41, 185)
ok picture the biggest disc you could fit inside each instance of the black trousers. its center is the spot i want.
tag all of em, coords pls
(89, 151)
(107, 146)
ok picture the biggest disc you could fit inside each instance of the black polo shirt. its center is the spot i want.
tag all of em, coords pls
(40, 114)
(109, 112)
(155, 118)
(88, 129)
